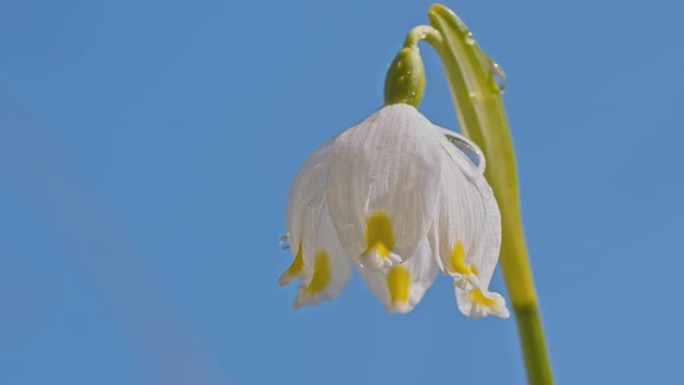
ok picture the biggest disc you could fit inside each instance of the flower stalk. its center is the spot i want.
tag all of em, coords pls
(476, 83)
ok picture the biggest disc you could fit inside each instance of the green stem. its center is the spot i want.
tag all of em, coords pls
(422, 32)
(477, 96)
(531, 332)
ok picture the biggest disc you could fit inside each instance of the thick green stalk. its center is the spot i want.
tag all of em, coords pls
(474, 79)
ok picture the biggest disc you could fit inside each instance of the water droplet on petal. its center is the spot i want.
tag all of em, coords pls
(473, 153)
(285, 241)
(469, 39)
(499, 77)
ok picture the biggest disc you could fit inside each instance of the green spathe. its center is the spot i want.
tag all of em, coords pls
(482, 116)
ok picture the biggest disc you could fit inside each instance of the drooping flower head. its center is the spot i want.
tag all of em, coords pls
(396, 197)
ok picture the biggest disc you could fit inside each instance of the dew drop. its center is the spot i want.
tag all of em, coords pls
(285, 242)
(464, 146)
(469, 39)
(499, 77)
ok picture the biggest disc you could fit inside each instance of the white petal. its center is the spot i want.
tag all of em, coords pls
(467, 214)
(401, 287)
(303, 208)
(332, 267)
(387, 165)
(467, 233)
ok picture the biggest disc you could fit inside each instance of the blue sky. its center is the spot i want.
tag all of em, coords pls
(146, 152)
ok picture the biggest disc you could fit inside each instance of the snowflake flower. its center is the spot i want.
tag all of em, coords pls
(396, 197)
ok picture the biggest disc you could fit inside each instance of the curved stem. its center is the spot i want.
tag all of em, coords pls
(477, 96)
(422, 32)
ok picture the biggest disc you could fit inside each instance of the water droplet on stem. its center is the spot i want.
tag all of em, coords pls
(499, 77)
(469, 39)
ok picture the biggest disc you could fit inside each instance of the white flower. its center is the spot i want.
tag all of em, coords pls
(396, 197)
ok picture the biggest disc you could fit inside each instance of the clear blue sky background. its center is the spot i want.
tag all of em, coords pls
(147, 148)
